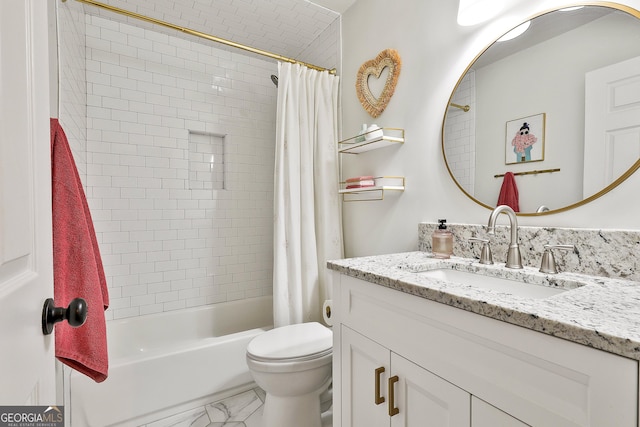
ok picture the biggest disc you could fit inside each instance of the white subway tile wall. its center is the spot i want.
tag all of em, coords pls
(206, 161)
(460, 134)
(286, 27)
(72, 82)
(169, 242)
(130, 100)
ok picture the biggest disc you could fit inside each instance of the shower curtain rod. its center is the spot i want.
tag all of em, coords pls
(203, 35)
(464, 108)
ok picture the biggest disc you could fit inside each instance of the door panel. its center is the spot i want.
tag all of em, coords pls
(426, 400)
(612, 123)
(485, 415)
(360, 359)
(26, 278)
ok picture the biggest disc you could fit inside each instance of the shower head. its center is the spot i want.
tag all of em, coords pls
(274, 79)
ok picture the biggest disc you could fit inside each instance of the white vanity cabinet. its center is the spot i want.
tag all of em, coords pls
(442, 366)
(379, 382)
(485, 415)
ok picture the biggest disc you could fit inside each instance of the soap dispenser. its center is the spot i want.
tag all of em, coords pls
(442, 241)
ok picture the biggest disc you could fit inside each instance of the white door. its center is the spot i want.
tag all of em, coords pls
(612, 123)
(27, 370)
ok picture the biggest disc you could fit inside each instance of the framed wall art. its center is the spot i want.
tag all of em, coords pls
(524, 140)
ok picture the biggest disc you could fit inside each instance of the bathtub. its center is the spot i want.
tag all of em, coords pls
(167, 360)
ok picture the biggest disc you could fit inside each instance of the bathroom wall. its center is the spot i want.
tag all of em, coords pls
(325, 50)
(435, 52)
(71, 87)
(180, 153)
(461, 133)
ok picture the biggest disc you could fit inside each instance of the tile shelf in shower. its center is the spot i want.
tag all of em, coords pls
(390, 136)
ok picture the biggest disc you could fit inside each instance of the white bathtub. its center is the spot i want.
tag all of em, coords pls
(168, 359)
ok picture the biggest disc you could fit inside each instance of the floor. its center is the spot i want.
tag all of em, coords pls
(242, 410)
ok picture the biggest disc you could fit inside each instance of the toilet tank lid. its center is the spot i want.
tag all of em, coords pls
(292, 341)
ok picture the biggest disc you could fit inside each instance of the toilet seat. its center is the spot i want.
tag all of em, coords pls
(300, 342)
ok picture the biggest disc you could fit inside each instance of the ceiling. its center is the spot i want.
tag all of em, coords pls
(284, 27)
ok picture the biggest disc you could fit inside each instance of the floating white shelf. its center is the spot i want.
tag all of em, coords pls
(383, 184)
(360, 144)
(354, 145)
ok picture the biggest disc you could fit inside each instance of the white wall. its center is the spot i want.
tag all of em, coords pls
(141, 109)
(460, 131)
(169, 239)
(168, 242)
(435, 52)
(71, 90)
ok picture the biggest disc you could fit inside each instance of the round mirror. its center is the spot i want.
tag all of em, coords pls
(558, 106)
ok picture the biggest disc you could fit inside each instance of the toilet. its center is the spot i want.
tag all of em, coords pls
(292, 364)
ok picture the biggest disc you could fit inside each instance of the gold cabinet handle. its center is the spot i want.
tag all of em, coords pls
(378, 399)
(392, 396)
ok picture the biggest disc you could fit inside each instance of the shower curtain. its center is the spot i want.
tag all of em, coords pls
(307, 221)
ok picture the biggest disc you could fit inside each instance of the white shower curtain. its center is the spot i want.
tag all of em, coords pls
(307, 222)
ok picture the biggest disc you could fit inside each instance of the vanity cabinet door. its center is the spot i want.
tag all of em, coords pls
(365, 370)
(485, 415)
(426, 400)
(381, 388)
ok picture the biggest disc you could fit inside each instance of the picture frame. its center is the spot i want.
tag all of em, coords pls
(525, 139)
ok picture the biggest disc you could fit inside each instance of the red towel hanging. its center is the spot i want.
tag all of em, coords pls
(509, 192)
(78, 270)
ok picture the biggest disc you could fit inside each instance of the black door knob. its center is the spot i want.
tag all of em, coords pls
(75, 314)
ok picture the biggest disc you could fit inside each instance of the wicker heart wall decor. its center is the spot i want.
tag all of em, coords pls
(388, 58)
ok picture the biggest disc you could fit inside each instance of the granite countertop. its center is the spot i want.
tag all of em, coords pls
(602, 313)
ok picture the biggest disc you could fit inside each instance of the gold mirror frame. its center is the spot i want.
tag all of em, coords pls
(623, 8)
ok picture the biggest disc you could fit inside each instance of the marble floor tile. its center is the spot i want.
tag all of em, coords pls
(230, 424)
(195, 418)
(235, 408)
(255, 419)
(242, 410)
(261, 393)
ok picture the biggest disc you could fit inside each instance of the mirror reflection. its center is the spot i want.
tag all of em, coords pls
(557, 106)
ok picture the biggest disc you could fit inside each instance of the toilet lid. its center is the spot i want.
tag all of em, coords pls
(293, 341)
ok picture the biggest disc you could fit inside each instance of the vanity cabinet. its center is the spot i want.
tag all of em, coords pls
(485, 415)
(442, 366)
(379, 382)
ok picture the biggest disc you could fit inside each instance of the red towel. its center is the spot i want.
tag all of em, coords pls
(77, 271)
(359, 178)
(509, 192)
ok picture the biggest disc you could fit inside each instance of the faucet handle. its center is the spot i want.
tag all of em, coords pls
(485, 253)
(548, 264)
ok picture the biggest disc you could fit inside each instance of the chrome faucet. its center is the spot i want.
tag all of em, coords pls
(514, 260)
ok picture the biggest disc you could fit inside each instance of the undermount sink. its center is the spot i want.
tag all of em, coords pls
(510, 286)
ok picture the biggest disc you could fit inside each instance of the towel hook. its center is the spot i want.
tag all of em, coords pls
(75, 314)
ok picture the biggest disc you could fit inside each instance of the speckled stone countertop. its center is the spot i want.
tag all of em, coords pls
(599, 312)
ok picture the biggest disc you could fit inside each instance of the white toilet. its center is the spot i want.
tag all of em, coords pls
(292, 364)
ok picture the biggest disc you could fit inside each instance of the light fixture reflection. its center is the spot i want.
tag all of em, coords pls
(570, 9)
(517, 31)
(472, 12)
